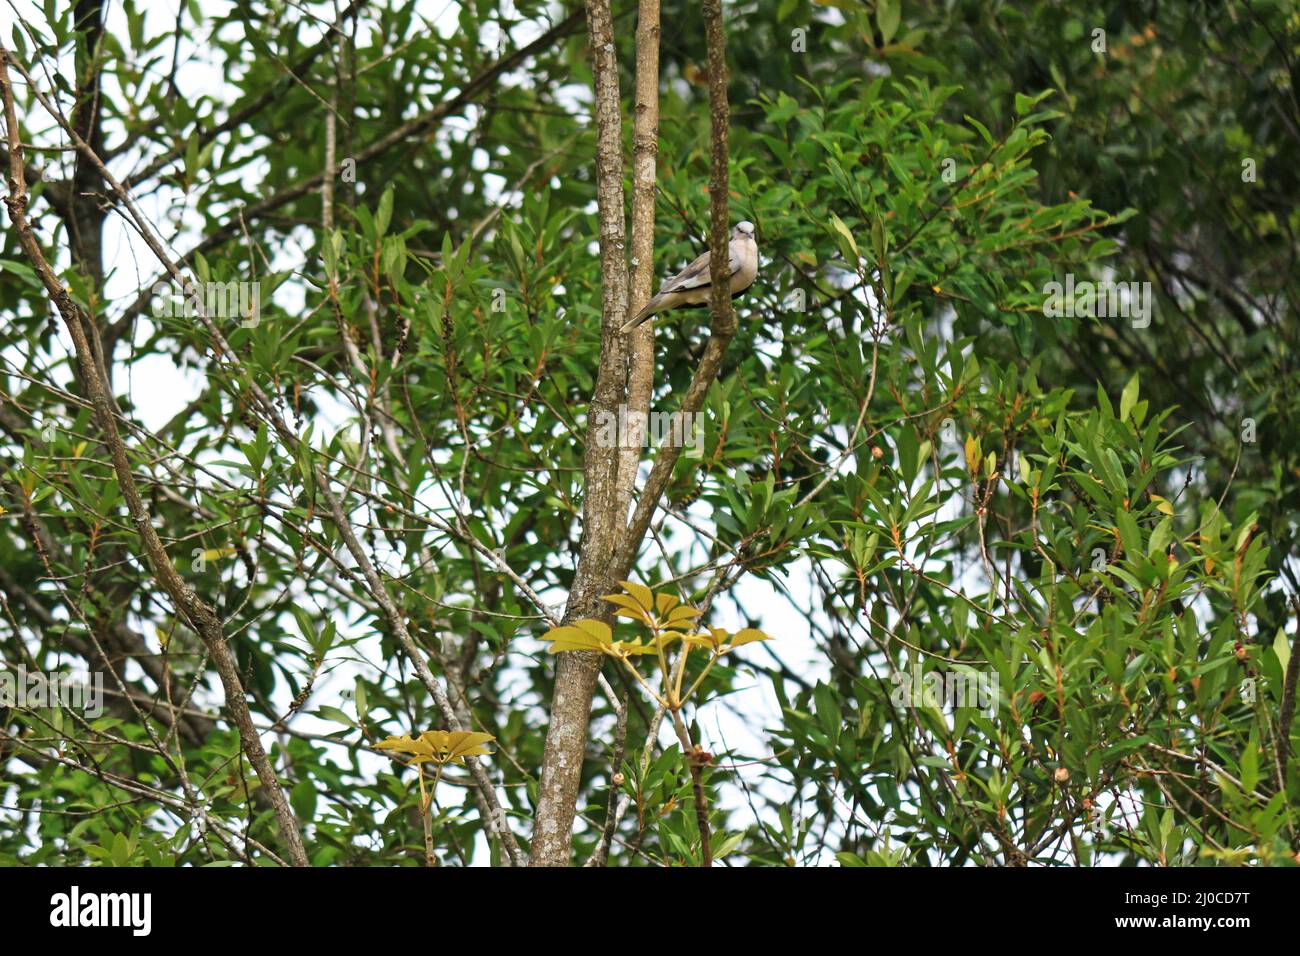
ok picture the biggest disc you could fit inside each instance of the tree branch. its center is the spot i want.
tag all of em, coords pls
(420, 125)
(575, 671)
(186, 603)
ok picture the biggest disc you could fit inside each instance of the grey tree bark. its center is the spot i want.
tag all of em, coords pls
(609, 542)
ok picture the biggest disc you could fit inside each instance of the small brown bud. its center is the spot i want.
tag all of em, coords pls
(1062, 775)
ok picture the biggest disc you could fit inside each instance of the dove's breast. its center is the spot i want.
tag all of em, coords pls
(744, 277)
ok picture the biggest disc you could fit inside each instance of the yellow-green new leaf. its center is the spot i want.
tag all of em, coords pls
(682, 618)
(665, 602)
(456, 745)
(748, 636)
(629, 648)
(628, 607)
(408, 745)
(584, 635)
(712, 638)
(642, 594)
(439, 746)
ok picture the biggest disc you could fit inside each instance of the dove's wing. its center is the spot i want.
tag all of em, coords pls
(697, 273)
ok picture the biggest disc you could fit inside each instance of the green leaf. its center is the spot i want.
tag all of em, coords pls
(1129, 398)
(120, 850)
(384, 214)
(888, 14)
(1282, 648)
(334, 714)
(851, 244)
(303, 799)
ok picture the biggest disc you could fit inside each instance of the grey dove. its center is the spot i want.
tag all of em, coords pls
(692, 286)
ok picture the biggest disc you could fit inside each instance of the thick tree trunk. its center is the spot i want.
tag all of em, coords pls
(576, 671)
(645, 150)
(609, 546)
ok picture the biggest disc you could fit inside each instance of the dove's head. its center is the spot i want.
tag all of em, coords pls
(745, 229)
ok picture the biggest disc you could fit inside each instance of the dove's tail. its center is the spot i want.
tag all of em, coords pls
(650, 309)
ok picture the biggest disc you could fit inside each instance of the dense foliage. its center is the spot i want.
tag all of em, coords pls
(914, 475)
